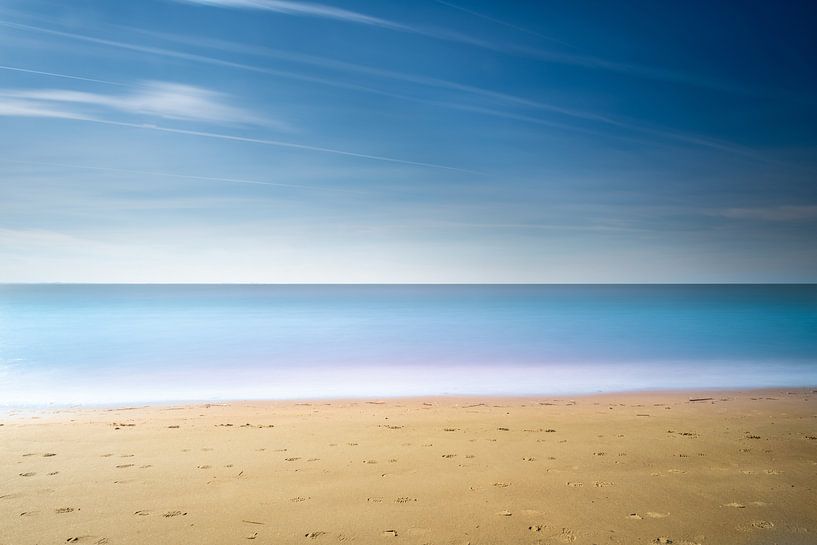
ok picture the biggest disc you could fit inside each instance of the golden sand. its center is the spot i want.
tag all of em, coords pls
(738, 468)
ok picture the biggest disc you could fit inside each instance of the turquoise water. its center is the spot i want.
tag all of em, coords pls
(118, 343)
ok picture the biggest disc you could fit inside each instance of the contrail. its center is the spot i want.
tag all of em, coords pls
(501, 22)
(269, 142)
(281, 144)
(192, 57)
(182, 176)
(309, 9)
(58, 75)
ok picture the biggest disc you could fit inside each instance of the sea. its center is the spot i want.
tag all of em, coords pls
(64, 344)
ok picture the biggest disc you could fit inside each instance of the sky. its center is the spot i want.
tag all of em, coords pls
(425, 141)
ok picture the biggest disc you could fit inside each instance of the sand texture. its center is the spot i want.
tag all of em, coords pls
(740, 468)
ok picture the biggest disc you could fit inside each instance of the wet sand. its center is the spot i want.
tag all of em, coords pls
(739, 468)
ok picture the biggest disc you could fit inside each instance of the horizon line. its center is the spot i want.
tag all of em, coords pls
(633, 283)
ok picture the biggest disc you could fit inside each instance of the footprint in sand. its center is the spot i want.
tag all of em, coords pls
(170, 514)
(142, 513)
(502, 484)
(297, 499)
(566, 536)
(49, 454)
(390, 533)
(654, 515)
(448, 455)
(123, 466)
(504, 513)
(574, 484)
(602, 484)
(314, 535)
(754, 525)
(27, 474)
(634, 516)
(404, 499)
(763, 524)
(536, 528)
(61, 510)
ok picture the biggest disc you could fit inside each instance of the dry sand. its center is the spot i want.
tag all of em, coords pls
(624, 468)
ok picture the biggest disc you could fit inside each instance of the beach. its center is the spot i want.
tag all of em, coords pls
(693, 467)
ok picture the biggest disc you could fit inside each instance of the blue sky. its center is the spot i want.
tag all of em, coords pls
(427, 141)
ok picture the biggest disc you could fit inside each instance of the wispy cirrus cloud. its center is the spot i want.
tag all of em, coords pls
(508, 99)
(59, 104)
(592, 62)
(153, 99)
(304, 9)
(26, 108)
(772, 213)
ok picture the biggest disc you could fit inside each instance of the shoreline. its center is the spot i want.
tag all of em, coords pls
(614, 468)
(131, 405)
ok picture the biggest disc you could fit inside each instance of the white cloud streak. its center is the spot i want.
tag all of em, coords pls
(25, 108)
(154, 98)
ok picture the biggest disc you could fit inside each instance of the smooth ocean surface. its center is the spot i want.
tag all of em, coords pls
(119, 343)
